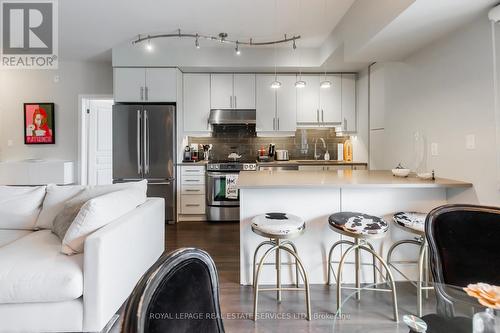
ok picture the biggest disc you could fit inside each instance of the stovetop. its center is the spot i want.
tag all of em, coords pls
(226, 165)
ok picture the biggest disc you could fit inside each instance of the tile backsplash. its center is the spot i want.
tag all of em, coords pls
(301, 146)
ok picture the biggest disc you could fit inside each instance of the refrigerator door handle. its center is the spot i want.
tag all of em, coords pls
(139, 164)
(146, 142)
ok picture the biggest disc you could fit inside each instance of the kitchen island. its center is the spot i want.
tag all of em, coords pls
(316, 195)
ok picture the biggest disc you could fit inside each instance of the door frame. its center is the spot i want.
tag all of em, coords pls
(83, 103)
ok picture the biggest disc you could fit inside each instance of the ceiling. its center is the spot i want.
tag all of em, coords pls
(336, 34)
(88, 29)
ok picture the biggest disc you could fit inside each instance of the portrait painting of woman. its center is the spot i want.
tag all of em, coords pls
(39, 123)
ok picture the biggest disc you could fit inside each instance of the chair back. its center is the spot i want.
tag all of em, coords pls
(464, 245)
(179, 293)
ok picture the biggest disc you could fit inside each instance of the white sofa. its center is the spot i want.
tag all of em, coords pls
(44, 290)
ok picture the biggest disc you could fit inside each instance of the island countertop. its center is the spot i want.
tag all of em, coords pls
(342, 179)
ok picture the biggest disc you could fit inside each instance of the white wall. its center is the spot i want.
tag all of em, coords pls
(20, 86)
(446, 92)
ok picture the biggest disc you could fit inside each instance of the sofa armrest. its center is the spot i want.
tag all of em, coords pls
(115, 258)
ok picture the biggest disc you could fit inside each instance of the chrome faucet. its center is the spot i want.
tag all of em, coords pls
(316, 155)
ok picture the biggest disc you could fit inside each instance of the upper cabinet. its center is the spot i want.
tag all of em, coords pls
(232, 91)
(276, 108)
(244, 91)
(221, 92)
(318, 106)
(330, 100)
(349, 103)
(196, 97)
(148, 85)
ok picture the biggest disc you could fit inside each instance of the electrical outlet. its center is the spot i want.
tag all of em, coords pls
(470, 142)
(434, 149)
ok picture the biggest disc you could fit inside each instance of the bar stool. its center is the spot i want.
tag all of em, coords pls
(279, 228)
(362, 228)
(414, 223)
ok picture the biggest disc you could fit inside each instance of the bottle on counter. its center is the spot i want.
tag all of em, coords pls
(348, 150)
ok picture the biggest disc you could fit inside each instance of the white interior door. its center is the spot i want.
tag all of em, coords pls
(100, 142)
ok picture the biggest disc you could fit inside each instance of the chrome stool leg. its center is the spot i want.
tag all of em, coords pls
(278, 271)
(297, 281)
(373, 263)
(269, 242)
(278, 247)
(330, 259)
(362, 246)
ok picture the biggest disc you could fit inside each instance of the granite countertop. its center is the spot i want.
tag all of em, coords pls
(342, 179)
(311, 162)
(290, 162)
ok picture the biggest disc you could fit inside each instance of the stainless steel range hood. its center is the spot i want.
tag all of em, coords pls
(232, 117)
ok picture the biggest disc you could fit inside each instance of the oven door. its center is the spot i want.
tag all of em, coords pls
(216, 190)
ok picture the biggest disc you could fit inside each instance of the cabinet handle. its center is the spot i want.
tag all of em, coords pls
(317, 115)
(192, 180)
(322, 116)
(146, 93)
(189, 190)
(274, 124)
(230, 101)
(192, 205)
(278, 124)
(235, 102)
(345, 124)
(142, 93)
(192, 170)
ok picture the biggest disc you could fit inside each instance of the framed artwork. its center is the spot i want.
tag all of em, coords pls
(39, 123)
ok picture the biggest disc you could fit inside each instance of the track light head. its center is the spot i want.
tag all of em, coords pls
(237, 48)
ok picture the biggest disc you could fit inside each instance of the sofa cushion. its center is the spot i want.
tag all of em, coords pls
(71, 208)
(8, 236)
(20, 206)
(54, 202)
(98, 212)
(33, 269)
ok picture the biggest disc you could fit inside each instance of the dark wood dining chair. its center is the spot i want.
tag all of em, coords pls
(179, 293)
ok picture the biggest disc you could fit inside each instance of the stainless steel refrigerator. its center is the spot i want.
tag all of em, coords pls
(144, 148)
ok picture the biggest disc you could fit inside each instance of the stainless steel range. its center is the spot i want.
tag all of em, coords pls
(223, 198)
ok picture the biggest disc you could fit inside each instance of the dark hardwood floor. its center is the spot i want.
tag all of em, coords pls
(221, 241)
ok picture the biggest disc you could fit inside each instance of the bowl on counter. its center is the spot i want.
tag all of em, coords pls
(401, 172)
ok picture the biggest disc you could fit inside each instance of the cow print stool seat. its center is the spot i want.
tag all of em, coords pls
(279, 228)
(279, 225)
(413, 223)
(362, 227)
(358, 223)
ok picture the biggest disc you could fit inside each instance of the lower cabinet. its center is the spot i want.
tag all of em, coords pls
(192, 190)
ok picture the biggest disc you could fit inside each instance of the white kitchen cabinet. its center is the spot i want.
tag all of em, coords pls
(233, 91)
(265, 103)
(145, 84)
(244, 91)
(221, 91)
(192, 198)
(349, 103)
(128, 84)
(308, 110)
(276, 108)
(161, 85)
(377, 97)
(286, 105)
(330, 100)
(196, 96)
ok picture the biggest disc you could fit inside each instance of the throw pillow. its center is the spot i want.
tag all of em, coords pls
(20, 206)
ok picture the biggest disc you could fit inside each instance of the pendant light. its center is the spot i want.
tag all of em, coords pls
(325, 84)
(275, 84)
(299, 83)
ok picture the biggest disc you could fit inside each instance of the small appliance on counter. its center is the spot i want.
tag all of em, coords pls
(186, 157)
(282, 155)
(206, 151)
(194, 152)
